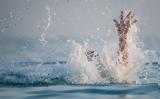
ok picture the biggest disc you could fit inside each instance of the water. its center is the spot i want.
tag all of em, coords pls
(68, 74)
(109, 91)
(75, 77)
(48, 80)
(72, 76)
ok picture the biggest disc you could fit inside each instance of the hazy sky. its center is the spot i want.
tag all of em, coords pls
(26, 20)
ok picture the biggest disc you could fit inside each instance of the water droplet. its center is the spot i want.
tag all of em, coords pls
(54, 13)
(11, 15)
(98, 29)
(2, 30)
(102, 13)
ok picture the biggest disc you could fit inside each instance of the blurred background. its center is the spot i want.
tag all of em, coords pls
(39, 29)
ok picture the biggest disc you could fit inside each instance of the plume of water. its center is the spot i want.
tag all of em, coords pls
(88, 72)
(82, 71)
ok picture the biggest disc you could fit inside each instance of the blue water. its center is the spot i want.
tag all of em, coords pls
(108, 91)
(35, 80)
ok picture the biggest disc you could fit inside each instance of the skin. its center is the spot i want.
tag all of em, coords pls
(123, 27)
(91, 55)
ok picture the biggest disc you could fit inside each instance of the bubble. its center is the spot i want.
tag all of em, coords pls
(103, 13)
(2, 30)
(97, 28)
(11, 14)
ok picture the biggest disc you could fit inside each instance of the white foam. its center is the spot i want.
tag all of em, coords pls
(87, 72)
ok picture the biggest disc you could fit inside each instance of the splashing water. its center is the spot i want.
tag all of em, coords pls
(109, 69)
(143, 64)
(43, 35)
(82, 70)
(76, 69)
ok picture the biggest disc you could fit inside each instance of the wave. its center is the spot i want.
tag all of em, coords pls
(52, 73)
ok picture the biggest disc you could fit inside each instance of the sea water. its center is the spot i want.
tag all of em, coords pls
(108, 91)
(73, 77)
(31, 81)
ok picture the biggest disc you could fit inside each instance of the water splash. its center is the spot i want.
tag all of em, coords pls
(5, 22)
(81, 70)
(144, 65)
(42, 38)
(89, 72)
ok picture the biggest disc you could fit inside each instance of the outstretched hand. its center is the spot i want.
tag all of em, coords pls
(125, 22)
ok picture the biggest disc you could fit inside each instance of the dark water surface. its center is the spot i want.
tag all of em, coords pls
(110, 91)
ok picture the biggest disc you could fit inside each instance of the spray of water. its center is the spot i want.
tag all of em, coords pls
(80, 67)
(104, 69)
(109, 69)
(43, 35)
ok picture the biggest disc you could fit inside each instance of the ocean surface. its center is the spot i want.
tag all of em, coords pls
(43, 46)
(108, 91)
(16, 84)
(70, 75)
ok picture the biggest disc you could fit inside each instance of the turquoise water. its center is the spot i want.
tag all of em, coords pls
(109, 91)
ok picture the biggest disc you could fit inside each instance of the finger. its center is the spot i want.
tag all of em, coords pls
(122, 16)
(128, 15)
(127, 23)
(116, 22)
(132, 16)
(134, 22)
